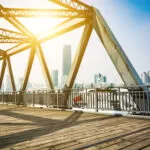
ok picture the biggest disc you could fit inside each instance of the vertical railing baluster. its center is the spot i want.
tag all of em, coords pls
(105, 101)
(3, 97)
(148, 102)
(139, 98)
(96, 100)
(33, 98)
(15, 97)
(143, 103)
(57, 99)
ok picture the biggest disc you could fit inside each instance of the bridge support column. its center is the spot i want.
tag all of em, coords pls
(2, 72)
(28, 68)
(11, 74)
(115, 51)
(79, 55)
(44, 68)
(77, 60)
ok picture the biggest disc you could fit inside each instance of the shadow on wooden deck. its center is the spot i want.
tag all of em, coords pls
(50, 129)
(47, 126)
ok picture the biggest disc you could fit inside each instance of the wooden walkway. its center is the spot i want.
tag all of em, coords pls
(34, 128)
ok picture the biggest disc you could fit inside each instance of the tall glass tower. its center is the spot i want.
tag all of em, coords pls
(55, 77)
(66, 60)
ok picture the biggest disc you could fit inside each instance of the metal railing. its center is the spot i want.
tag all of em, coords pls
(125, 99)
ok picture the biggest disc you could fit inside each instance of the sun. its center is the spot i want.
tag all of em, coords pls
(39, 25)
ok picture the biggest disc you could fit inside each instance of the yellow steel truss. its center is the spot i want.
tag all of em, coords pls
(91, 18)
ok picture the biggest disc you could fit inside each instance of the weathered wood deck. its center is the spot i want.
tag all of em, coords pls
(35, 128)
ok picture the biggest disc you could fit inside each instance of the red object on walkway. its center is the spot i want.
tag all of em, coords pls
(77, 99)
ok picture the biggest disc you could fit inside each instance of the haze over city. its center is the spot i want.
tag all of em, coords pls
(129, 21)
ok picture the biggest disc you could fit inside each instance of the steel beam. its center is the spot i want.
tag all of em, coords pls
(2, 72)
(115, 51)
(79, 55)
(2, 53)
(11, 74)
(16, 23)
(13, 40)
(71, 4)
(63, 29)
(17, 49)
(60, 29)
(11, 34)
(28, 68)
(44, 67)
(57, 13)
(45, 33)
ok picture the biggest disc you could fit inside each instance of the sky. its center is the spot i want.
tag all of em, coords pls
(128, 19)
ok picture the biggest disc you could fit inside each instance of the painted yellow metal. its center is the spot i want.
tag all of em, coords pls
(11, 74)
(61, 29)
(64, 28)
(44, 67)
(2, 52)
(11, 34)
(79, 55)
(56, 13)
(2, 72)
(89, 16)
(28, 68)
(114, 50)
(15, 22)
(72, 4)
(18, 48)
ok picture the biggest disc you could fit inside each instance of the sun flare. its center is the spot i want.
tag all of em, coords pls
(39, 25)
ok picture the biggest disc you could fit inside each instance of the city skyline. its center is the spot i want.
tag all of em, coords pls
(134, 42)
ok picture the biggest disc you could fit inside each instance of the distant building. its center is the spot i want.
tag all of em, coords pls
(20, 80)
(145, 76)
(66, 60)
(8, 84)
(66, 64)
(148, 77)
(19, 84)
(38, 86)
(78, 85)
(104, 79)
(55, 77)
(2, 88)
(99, 78)
(63, 81)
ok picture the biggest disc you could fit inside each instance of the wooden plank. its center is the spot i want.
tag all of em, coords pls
(70, 137)
(139, 145)
(33, 128)
(146, 148)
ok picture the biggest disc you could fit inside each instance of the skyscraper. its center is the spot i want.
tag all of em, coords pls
(66, 60)
(20, 80)
(99, 78)
(144, 77)
(19, 84)
(55, 77)
(148, 73)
